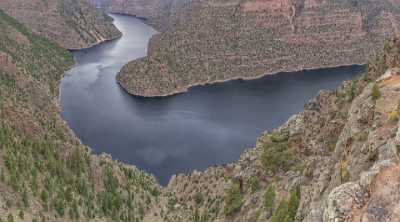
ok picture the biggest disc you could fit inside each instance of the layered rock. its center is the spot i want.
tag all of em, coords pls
(211, 41)
(338, 160)
(73, 24)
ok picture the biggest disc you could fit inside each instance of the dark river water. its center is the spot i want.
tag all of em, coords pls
(208, 125)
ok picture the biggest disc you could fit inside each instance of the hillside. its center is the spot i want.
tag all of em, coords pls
(156, 12)
(338, 160)
(211, 41)
(73, 24)
(46, 174)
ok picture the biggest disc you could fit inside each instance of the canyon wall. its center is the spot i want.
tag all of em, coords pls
(211, 41)
(338, 160)
(73, 24)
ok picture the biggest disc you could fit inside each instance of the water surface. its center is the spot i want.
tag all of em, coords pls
(164, 136)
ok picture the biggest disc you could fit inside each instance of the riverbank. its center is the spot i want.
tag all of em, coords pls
(207, 48)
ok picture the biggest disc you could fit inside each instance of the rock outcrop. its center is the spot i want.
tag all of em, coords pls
(73, 24)
(211, 41)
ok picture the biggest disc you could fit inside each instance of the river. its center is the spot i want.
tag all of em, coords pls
(208, 125)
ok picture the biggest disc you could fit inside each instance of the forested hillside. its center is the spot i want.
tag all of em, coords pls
(46, 174)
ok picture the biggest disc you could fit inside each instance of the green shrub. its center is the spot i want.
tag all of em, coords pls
(287, 210)
(394, 116)
(254, 183)
(375, 92)
(276, 153)
(233, 199)
(344, 172)
(10, 218)
(293, 205)
(269, 197)
(198, 198)
(281, 212)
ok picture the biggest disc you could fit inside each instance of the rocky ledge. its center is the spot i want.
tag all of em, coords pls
(209, 41)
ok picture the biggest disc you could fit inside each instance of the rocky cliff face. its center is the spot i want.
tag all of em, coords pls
(211, 41)
(73, 24)
(46, 174)
(338, 160)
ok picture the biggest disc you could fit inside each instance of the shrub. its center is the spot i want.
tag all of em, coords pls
(394, 116)
(198, 198)
(293, 205)
(375, 92)
(254, 183)
(269, 197)
(281, 212)
(344, 172)
(276, 153)
(233, 199)
(10, 218)
(287, 210)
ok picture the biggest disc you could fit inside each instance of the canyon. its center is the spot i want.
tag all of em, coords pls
(207, 41)
(338, 160)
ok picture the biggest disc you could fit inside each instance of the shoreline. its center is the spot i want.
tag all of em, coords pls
(188, 88)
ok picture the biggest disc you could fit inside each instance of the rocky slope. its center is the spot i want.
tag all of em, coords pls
(73, 24)
(46, 174)
(210, 41)
(155, 12)
(338, 160)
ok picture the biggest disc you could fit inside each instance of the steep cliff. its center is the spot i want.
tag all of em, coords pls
(46, 174)
(338, 160)
(73, 24)
(210, 41)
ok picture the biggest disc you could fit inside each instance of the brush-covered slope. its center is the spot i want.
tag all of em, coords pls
(338, 160)
(73, 24)
(156, 12)
(210, 41)
(46, 174)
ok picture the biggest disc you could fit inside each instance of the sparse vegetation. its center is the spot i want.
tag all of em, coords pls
(254, 183)
(276, 152)
(375, 92)
(344, 172)
(269, 197)
(287, 209)
(394, 116)
(233, 199)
